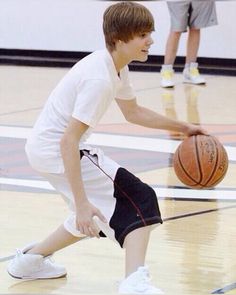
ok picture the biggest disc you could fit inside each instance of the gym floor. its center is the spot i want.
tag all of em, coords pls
(192, 253)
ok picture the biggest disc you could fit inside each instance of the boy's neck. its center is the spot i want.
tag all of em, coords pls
(119, 59)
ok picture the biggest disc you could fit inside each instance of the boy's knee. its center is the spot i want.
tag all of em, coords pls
(194, 30)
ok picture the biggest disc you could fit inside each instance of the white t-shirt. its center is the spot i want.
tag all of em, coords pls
(84, 93)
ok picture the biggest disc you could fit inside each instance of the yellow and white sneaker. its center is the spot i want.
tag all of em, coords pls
(167, 74)
(192, 76)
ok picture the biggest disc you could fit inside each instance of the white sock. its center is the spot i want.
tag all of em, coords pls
(193, 65)
(187, 66)
(167, 67)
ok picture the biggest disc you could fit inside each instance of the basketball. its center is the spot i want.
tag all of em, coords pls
(200, 161)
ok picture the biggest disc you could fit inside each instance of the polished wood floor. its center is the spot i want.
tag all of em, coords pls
(192, 253)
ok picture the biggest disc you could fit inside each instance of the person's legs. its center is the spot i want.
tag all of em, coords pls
(171, 47)
(137, 278)
(179, 15)
(179, 20)
(202, 15)
(33, 262)
(136, 210)
(170, 55)
(135, 246)
(58, 240)
(191, 73)
(192, 45)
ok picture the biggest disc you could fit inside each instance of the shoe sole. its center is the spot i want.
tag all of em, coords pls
(171, 86)
(189, 82)
(31, 278)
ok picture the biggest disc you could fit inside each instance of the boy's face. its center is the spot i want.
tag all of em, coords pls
(138, 48)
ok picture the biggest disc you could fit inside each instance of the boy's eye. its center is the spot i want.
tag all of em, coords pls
(143, 35)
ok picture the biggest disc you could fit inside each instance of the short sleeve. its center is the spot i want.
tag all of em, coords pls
(92, 100)
(125, 89)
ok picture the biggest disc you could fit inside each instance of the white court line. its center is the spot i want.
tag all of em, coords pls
(27, 183)
(111, 140)
(134, 142)
(161, 192)
(14, 132)
(118, 141)
(6, 258)
(195, 194)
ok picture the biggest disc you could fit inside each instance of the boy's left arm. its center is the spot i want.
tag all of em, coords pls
(139, 115)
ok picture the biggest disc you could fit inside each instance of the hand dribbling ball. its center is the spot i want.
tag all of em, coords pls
(200, 161)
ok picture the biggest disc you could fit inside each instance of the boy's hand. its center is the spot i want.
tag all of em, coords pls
(192, 129)
(84, 219)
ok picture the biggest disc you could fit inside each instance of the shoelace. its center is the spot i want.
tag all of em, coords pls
(45, 261)
(146, 277)
(144, 284)
(167, 75)
(48, 259)
(194, 72)
(18, 252)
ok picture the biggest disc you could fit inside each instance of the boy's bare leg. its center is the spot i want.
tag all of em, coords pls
(59, 239)
(192, 45)
(171, 47)
(135, 245)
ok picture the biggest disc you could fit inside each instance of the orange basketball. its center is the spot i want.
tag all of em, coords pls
(200, 161)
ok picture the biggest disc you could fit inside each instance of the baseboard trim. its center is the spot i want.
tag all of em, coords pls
(66, 59)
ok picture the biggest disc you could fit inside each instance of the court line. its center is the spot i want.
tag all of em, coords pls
(20, 111)
(118, 141)
(224, 289)
(26, 183)
(190, 214)
(161, 191)
(6, 258)
(186, 193)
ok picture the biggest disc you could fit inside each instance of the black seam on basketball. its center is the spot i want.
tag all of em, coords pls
(183, 168)
(220, 178)
(216, 164)
(222, 175)
(198, 159)
(217, 181)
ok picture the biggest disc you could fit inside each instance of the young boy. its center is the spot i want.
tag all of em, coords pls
(104, 198)
(194, 15)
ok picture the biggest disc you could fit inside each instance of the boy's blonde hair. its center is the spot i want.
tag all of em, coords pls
(124, 20)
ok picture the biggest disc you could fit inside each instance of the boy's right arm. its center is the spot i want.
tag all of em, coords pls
(85, 211)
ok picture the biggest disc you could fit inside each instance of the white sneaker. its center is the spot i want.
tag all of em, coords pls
(32, 266)
(138, 283)
(192, 76)
(167, 74)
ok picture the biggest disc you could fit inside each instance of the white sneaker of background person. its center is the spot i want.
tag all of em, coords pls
(34, 266)
(167, 74)
(191, 74)
(138, 283)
